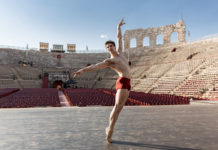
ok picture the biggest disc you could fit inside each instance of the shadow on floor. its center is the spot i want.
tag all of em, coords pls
(133, 145)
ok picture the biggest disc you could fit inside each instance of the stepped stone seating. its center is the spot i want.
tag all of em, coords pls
(88, 79)
(110, 74)
(208, 62)
(85, 83)
(28, 73)
(53, 69)
(184, 67)
(213, 94)
(134, 82)
(212, 72)
(196, 85)
(211, 66)
(31, 83)
(137, 71)
(140, 61)
(166, 84)
(88, 75)
(105, 83)
(144, 84)
(8, 83)
(179, 55)
(5, 72)
(157, 70)
(96, 79)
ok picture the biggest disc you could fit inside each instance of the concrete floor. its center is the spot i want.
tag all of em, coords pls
(180, 127)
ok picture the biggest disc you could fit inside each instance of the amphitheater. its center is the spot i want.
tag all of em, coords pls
(155, 68)
(162, 74)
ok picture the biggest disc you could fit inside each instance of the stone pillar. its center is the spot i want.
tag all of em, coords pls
(153, 39)
(126, 41)
(181, 30)
(139, 41)
(166, 38)
(181, 36)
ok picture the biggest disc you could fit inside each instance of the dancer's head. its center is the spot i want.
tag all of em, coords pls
(110, 46)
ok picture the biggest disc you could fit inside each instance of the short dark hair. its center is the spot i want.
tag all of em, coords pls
(110, 42)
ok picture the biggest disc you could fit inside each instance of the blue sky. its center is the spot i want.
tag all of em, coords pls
(92, 22)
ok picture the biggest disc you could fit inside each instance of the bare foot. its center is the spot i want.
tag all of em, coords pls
(108, 135)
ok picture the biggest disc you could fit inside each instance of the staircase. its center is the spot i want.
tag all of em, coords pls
(18, 78)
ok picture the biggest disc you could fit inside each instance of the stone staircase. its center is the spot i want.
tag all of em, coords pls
(18, 78)
(155, 83)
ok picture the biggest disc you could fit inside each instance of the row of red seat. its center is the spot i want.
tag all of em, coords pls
(106, 97)
(8, 91)
(31, 98)
(87, 97)
(153, 99)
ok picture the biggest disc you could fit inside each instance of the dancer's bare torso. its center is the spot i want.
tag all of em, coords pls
(120, 65)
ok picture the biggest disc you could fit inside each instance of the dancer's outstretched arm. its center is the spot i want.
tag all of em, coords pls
(119, 36)
(94, 67)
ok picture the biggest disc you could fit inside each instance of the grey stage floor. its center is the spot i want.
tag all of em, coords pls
(187, 127)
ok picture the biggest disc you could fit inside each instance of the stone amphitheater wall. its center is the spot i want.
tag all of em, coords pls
(139, 55)
(152, 33)
(39, 59)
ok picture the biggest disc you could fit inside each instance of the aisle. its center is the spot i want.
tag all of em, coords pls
(63, 100)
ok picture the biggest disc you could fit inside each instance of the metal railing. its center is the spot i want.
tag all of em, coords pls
(36, 49)
(17, 47)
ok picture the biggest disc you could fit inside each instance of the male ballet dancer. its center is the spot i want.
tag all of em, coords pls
(119, 63)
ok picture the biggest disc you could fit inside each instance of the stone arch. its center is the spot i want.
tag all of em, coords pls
(174, 37)
(133, 43)
(166, 31)
(58, 83)
(146, 42)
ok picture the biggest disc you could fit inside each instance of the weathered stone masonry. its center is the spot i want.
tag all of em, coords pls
(152, 33)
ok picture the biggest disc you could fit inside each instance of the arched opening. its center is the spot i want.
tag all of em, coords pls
(159, 40)
(133, 43)
(174, 37)
(58, 84)
(146, 41)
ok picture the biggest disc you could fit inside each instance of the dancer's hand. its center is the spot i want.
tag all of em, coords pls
(77, 73)
(121, 23)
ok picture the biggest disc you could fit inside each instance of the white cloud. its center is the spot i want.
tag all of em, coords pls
(103, 36)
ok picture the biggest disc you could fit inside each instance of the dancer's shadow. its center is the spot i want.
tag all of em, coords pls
(133, 145)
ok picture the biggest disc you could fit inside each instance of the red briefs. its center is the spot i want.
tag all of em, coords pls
(123, 83)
